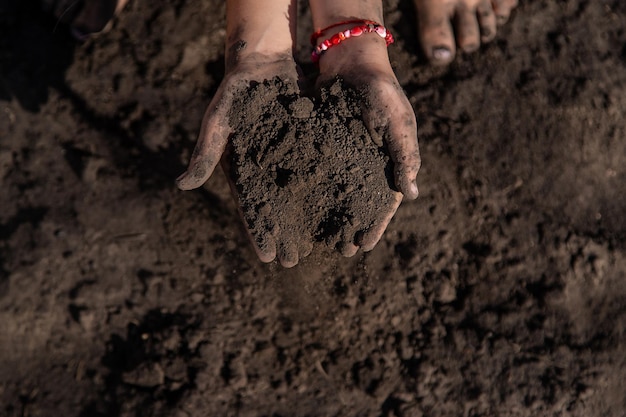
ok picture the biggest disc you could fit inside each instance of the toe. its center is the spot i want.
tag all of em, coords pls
(486, 21)
(503, 9)
(435, 31)
(466, 23)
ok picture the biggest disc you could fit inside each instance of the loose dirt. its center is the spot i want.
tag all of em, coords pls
(308, 168)
(500, 291)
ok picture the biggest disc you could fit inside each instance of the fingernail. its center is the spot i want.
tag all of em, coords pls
(414, 190)
(181, 176)
(441, 53)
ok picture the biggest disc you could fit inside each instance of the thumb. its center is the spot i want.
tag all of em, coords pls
(210, 146)
(398, 131)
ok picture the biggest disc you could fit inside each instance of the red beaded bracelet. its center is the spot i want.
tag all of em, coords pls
(316, 35)
(365, 26)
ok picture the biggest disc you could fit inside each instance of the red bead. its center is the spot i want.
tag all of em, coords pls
(357, 31)
(366, 26)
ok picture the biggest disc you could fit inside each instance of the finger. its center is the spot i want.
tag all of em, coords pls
(260, 228)
(210, 145)
(468, 34)
(205, 157)
(262, 237)
(264, 246)
(398, 127)
(486, 20)
(288, 253)
(368, 239)
(306, 247)
(435, 31)
(503, 9)
(403, 149)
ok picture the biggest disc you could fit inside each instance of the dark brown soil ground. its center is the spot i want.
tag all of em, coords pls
(499, 292)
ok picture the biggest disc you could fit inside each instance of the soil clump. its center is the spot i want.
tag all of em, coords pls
(310, 166)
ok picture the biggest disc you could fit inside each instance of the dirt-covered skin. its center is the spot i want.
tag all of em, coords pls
(307, 172)
(444, 25)
(215, 134)
(499, 291)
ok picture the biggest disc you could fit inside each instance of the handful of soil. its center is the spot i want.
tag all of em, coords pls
(307, 167)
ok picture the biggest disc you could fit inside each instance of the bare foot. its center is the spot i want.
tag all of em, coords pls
(445, 24)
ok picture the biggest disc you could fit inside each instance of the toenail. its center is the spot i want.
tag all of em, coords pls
(441, 54)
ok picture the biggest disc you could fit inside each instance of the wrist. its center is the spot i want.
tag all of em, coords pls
(255, 50)
(328, 12)
(259, 29)
(368, 50)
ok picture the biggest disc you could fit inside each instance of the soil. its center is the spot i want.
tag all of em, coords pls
(500, 291)
(307, 171)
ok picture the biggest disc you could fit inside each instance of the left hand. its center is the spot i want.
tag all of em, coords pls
(363, 63)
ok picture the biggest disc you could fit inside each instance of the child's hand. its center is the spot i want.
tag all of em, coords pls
(215, 125)
(363, 62)
(213, 139)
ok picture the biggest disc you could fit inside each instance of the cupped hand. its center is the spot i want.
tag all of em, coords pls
(388, 115)
(268, 238)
